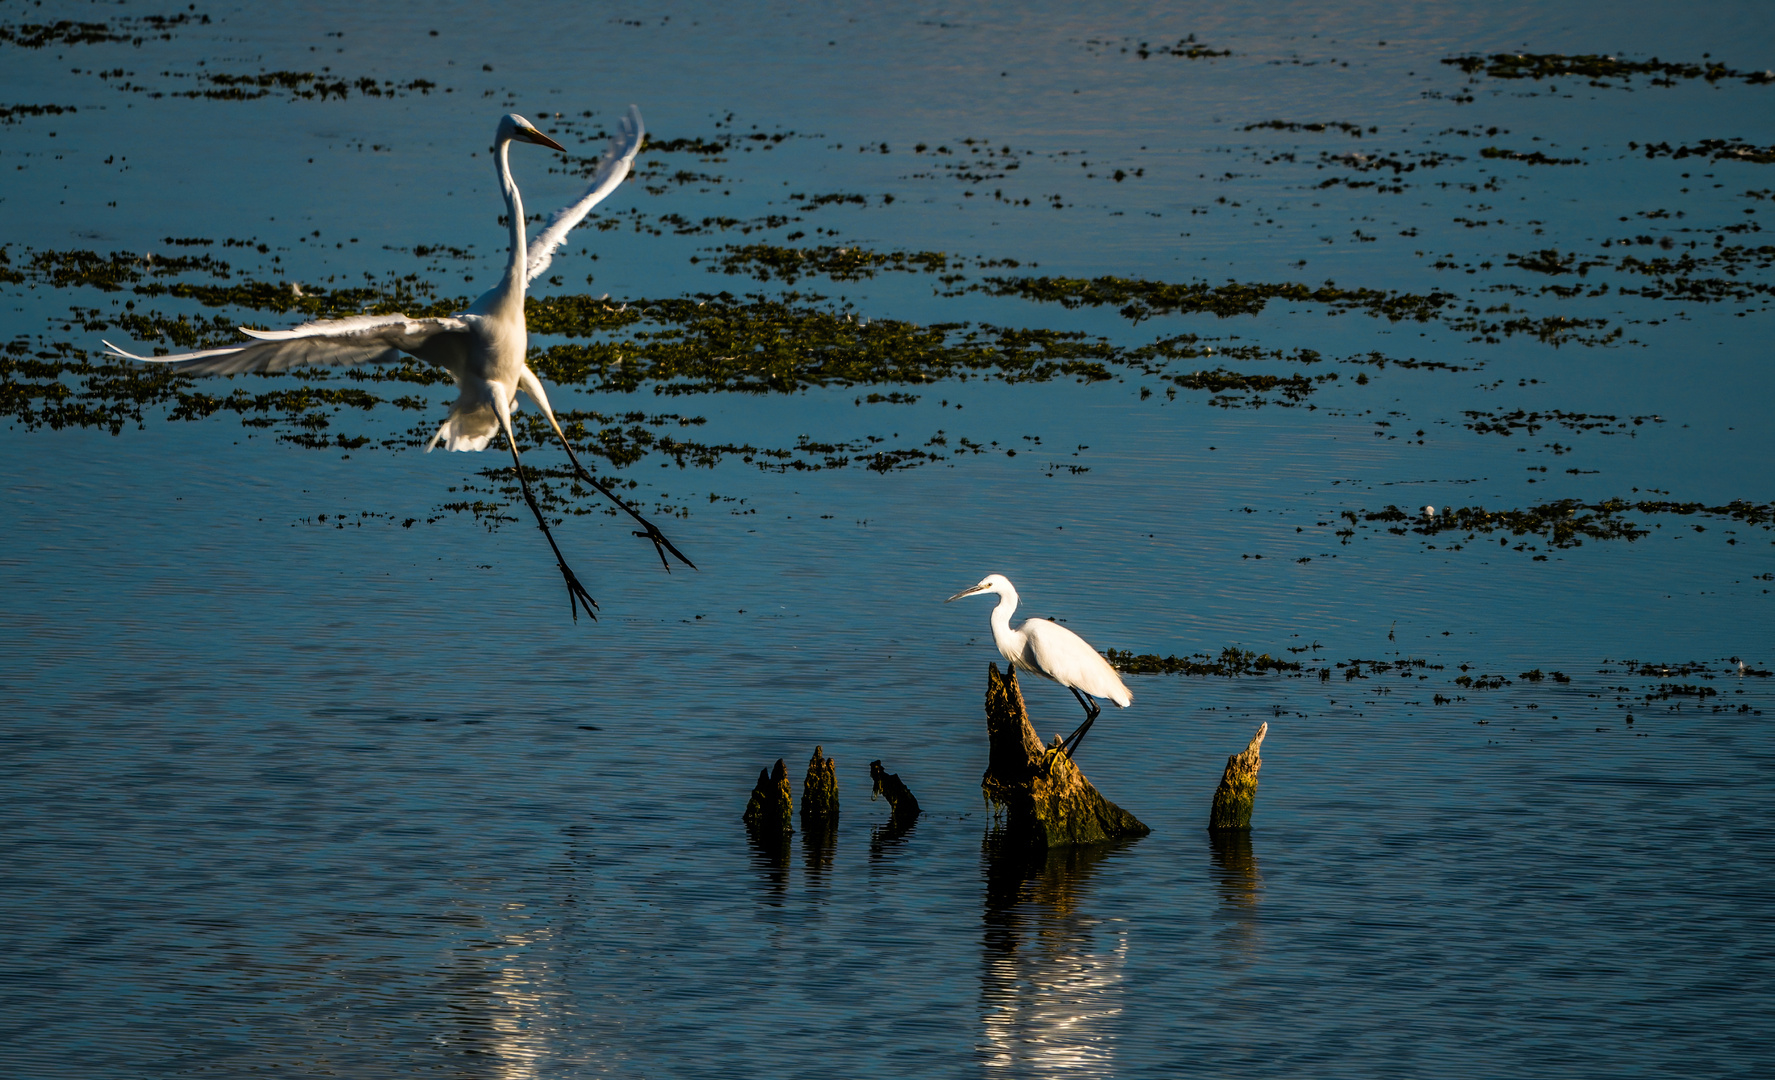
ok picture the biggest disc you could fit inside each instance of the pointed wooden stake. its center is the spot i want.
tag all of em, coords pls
(771, 808)
(1238, 787)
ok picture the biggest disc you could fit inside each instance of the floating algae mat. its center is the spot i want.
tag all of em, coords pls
(1392, 384)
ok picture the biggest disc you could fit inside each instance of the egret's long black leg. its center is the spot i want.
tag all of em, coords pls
(576, 593)
(651, 532)
(1071, 743)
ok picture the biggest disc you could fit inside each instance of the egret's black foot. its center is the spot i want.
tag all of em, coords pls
(577, 595)
(661, 545)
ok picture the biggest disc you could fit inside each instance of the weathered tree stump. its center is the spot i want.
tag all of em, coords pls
(1238, 787)
(902, 807)
(819, 793)
(1052, 810)
(771, 808)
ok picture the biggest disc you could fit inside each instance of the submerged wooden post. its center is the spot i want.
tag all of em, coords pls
(771, 807)
(819, 792)
(1052, 810)
(902, 807)
(1238, 787)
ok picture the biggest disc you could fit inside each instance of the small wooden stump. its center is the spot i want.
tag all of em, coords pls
(819, 797)
(1238, 787)
(902, 807)
(771, 809)
(1056, 810)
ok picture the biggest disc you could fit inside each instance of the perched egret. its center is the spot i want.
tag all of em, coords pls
(1050, 650)
(483, 347)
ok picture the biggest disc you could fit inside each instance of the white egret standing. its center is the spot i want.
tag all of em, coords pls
(1050, 650)
(483, 347)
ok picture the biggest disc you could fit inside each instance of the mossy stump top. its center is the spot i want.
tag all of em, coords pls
(1237, 792)
(1055, 810)
(819, 791)
(771, 809)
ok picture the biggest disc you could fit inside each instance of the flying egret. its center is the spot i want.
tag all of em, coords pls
(482, 347)
(1052, 651)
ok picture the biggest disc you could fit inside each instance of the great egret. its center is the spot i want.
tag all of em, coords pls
(483, 347)
(1052, 651)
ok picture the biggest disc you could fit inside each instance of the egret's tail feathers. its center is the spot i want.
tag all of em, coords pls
(466, 431)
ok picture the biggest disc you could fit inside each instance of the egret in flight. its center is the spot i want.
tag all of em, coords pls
(483, 347)
(1050, 650)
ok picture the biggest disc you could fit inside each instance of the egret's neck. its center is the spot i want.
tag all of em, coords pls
(513, 285)
(1001, 621)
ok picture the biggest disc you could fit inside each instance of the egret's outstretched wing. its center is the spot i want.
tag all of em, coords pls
(618, 158)
(363, 339)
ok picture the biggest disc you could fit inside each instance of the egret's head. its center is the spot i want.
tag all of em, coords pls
(514, 128)
(992, 583)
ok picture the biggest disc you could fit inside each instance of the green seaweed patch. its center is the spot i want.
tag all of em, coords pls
(1596, 68)
(788, 264)
(761, 344)
(1555, 330)
(1294, 388)
(59, 387)
(1233, 662)
(133, 31)
(1717, 149)
(111, 273)
(1534, 157)
(1507, 424)
(1139, 299)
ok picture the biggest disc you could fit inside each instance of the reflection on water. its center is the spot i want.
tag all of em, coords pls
(1240, 884)
(884, 839)
(1051, 973)
(819, 840)
(499, 992)
(770, 857)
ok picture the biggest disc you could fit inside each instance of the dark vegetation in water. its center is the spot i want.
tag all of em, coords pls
(1596, 68)
(1353, 130)
(1507, 424)
(1231, 663)
(767, 261)
(1187, 48)
(306, 85)
(1138, 299)
(1564, 523)
(1534, 157)
(9, 114)
(1717, 149)
(1693, 274)
(133, 31)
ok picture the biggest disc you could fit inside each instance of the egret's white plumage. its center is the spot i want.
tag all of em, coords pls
(1045, 648)
(482, 347)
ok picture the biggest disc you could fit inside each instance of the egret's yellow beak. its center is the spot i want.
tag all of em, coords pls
(965, 592)
(543, 140)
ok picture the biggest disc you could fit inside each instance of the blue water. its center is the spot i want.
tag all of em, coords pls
(283, 797)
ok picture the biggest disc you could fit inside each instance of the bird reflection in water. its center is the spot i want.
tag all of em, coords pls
(1051, 975)
(502, 991)
(1234, 870)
